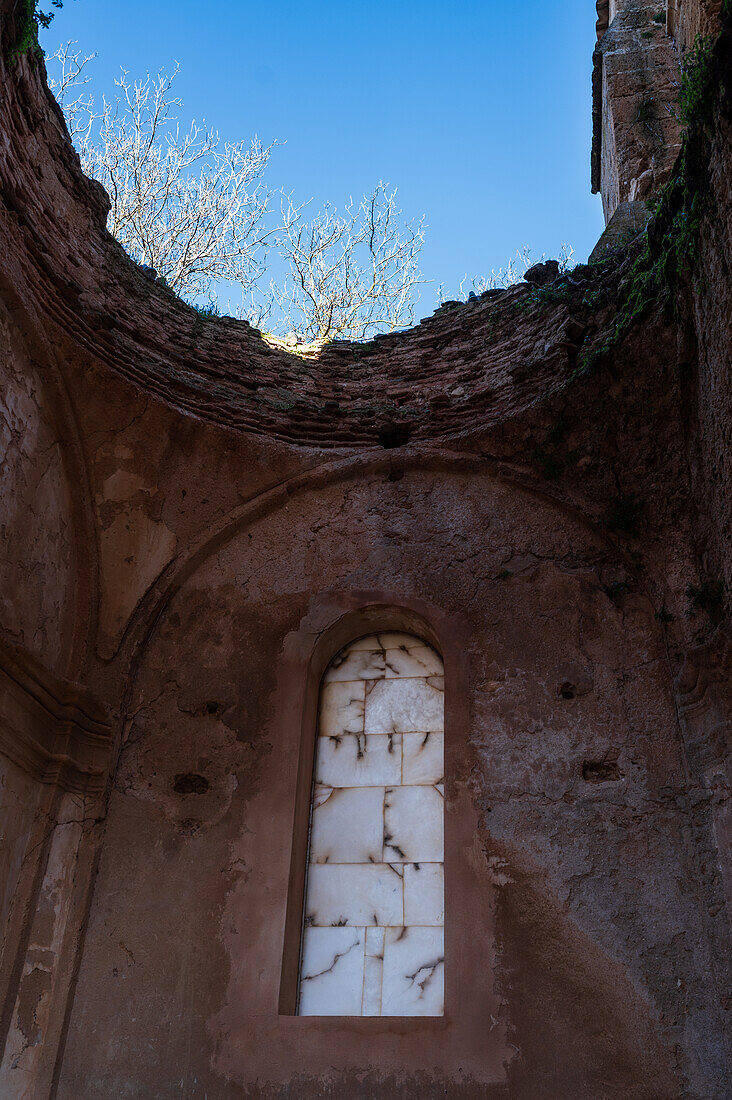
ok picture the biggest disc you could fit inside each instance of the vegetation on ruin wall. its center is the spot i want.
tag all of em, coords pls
(671, 251)
(29, 19)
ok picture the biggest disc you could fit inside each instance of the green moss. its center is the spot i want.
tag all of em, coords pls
(595, 300)
(29, 19)
(210, 310)
(660, 17)
(671, 251)
(541, 297)
(698, 84)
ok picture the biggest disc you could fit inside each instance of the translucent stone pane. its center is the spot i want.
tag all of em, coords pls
(331, 976)
(388, 640)
(413, 980)
(423, 758)
(375, 942)
(357, 665)
(354, 894)
(420, 661)
(348, 826)
(413, 823)
(424, 894)
(341, 708)
(372, 980)
(374, 905)
(403, 706)
(358, 760)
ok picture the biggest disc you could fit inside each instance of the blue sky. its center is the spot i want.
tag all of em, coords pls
(479, 112)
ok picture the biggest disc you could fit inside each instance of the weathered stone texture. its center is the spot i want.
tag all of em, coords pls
(195, 522)
(636, 75)
(689, 18)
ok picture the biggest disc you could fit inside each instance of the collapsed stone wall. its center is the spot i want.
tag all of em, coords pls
(189, 510)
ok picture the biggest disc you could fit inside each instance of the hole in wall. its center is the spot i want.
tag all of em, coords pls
(213, 707)
(190, 783)
(601, 771)
(567, 690)
(395, 435)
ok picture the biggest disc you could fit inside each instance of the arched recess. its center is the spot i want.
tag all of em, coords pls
(391, 625)
(142, 624)
(225, 700)
(41, 372)
(54, 734)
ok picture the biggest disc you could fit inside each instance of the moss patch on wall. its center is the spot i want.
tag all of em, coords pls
(670, 255)
(29, 19)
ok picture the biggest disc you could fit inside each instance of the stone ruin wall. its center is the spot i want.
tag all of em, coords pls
(193, 518)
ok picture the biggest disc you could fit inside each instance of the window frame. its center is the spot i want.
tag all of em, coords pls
(372, 618)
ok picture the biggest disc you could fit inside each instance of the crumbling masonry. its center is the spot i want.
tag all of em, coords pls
(194, 522)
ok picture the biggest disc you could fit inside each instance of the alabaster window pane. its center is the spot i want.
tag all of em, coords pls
(424, 894)
(374, 900)
(357, 665)
(348, 826)
(359, 761)
(412, 662)
(423, 758)
(375, 941)
(372, 981)
(331, 981)
(413, 819)
(354, 894)
(413, 981)
(341, 708)
(403, 706)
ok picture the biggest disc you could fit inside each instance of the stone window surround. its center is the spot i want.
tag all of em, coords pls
(337, 620)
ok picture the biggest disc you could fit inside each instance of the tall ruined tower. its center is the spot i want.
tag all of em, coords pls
(365, 719)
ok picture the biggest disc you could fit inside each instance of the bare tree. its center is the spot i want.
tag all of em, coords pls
(350, 275)
(197, 211)
(78, 107)
(183, 202)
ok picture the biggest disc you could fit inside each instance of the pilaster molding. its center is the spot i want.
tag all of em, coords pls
(52, 728)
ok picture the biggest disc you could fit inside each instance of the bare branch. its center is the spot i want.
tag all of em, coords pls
(513, 273)
(79, 109)
(350, 275)
(197, 210)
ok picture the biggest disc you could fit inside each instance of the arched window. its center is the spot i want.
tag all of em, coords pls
(374, 899)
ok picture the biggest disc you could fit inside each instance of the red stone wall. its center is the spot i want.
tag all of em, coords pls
(636, 75)
(196, 884)
(37, 567)
(195, 519)
(689, 18)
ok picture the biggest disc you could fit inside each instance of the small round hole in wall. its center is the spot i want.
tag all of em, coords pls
(212, 708)
(567, 690)
(189, 783)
